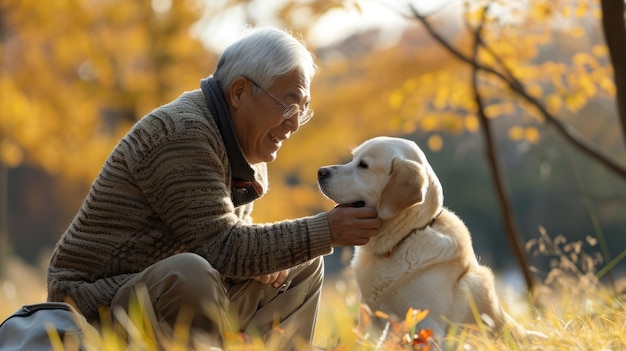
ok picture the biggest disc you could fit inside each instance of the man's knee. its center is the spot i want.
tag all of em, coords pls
(183, 282)
(191, 278)
(189, 265)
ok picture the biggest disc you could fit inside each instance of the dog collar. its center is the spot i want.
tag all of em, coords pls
(432, 221)
(429, 224)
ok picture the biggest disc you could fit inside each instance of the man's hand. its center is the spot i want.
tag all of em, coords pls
(276, 279)
(352, 225)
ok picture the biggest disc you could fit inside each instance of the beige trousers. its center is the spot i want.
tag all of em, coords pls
(185, 288)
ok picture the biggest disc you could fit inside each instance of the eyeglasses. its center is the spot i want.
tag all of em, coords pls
(289, 110)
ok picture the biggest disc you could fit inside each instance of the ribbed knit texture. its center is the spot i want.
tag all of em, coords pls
(165, 189)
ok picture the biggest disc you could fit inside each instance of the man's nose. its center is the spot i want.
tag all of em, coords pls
(292, 123)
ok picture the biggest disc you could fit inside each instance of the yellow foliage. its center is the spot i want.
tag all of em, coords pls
(78, 74)
(577, 32)
(541, 11)
(582, 9)
(472, 124)
(587, 85)
(554, 102)
(429, 123)
(575, 102)
(535, 90)
(435, 142)
(10, 153)
(531, 135)
(395, 99)
(607, 84)
(528, 134)
(583, 58)
(411, 84)
(599, 50)
(493, 110)
(75, 72)
(566, 11)
(516, 133)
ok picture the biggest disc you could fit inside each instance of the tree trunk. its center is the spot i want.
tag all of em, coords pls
(4, 218)
(614, 28)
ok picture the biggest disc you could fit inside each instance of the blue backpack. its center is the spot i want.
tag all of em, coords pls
(39, 326)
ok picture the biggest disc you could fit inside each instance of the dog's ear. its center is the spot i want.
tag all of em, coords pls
(406, 187)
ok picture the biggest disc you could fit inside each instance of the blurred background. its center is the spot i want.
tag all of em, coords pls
(76, 74)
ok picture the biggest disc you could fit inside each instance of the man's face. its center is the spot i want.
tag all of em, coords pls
(258, 120)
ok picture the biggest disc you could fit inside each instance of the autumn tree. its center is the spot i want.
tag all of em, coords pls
(77, 74)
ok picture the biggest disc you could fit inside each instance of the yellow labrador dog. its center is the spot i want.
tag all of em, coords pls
(423, 256)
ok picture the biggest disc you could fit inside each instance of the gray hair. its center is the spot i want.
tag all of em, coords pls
(264, 54)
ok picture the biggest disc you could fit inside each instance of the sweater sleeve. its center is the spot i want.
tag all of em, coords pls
(185, 178)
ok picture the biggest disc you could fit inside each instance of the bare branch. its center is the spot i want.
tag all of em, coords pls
(567, 132)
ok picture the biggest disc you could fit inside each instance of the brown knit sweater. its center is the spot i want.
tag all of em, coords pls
(165, 189)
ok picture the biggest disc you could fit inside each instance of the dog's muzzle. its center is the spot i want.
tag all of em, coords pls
(323, 174)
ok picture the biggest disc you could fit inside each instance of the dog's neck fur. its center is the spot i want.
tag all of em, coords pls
(413, 231)
(393, 230)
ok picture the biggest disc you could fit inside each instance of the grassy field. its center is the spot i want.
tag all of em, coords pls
(571, 308)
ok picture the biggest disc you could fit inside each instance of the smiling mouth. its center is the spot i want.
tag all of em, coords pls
(276, 139)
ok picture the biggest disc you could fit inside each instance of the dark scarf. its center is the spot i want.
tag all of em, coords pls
(244, 187)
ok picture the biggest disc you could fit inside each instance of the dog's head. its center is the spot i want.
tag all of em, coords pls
(389, 174)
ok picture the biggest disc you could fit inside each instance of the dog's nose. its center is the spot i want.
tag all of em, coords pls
(323, 173)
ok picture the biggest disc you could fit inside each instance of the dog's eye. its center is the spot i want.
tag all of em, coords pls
(363, 165)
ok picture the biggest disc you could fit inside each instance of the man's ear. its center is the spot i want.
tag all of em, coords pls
(236, 90)
(406, 187)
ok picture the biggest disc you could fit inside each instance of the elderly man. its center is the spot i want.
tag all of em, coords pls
(169, 215)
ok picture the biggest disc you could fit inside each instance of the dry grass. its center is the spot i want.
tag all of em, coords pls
(572, 308)
(577, 313)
